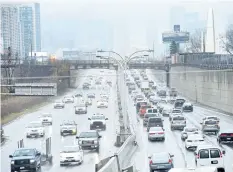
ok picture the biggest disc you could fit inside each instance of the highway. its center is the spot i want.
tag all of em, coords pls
(173, 142)
(16, 130)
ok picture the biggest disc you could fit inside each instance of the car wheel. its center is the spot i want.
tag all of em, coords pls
(28, 136)
(61, 134)
(98, 149)
(151, 170)
(104, 127)
(91, 128)
(34, 170)
(163, 139)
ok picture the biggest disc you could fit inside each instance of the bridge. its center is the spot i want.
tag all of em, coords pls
(109, 64)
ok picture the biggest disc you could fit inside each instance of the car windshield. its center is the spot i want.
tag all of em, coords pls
(70, 149)
(214, 118)
(34, 125)
(24, 152)
(46, 115)
(155, 120)
(178, 118)
(68, 123)
(211, 122)
(100, 117)
(88, 135)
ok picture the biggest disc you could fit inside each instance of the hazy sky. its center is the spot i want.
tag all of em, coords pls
(118, 24)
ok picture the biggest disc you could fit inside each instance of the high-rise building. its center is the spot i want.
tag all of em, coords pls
(10, 29)
(29, 15)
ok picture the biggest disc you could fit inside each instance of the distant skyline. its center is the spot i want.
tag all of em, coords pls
(91, 23)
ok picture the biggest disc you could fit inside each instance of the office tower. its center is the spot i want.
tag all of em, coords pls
(30, 27)
(10, 29)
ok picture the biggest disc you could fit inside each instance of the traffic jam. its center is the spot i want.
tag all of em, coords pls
(155, 105)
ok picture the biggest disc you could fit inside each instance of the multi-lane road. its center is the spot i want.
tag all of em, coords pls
(173, 142)
(16, 130)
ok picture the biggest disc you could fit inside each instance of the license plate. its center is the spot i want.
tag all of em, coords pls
(161, 166)
(228, 138)
(21, 168)
(215, 162)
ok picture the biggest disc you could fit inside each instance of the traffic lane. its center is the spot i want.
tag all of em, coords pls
(15, 131)
(194, 119)
(147, 147)
(106, 142)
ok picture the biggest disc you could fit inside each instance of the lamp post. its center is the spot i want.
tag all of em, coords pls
(123, 63)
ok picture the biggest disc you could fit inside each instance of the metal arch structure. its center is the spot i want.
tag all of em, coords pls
(9, 62)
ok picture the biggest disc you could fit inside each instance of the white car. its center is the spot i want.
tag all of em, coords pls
(35, 129)
(209, 155)
(102, 104)
(46, 118)
(188, 131)
(104, 96)
(71, 155)
(68, 99)
(156, 133)
(59, 105)
(81, 109)
(215, 118)
(193, 141)
(91, 95)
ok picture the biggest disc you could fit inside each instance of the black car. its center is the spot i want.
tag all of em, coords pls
(188, 107)
(26, 159)
(179, 103)
(225, 137)
(162, 93)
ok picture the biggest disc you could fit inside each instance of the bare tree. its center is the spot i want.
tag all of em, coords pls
(229, 40)
(196, 41)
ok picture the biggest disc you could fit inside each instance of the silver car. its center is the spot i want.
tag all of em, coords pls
(178, 122)
(147, 116)
(187, 131)
(210, 126)
(161, 161)
(156, 133)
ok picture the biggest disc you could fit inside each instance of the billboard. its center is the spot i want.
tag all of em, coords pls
(176, 28)
(178, 37)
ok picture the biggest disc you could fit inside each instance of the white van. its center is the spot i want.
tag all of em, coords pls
(209, 155)
(200, 169)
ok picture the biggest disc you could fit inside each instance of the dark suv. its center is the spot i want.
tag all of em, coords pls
(25, 159)
(89, 140)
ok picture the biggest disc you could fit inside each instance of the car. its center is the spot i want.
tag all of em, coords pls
(98, 121)
(151, 83)
(166, 111)
(150, 94)
(193, 141)
(102, 104)
(59, 105)
(98, 82)
(25, 159)
(188, 107)
(161, 161)
(210, 126)
(91, 95)
(175, 112)
(225, 136)
(88, 102)
(104, 96)
(154, 122)
(79, 95)
(35, 129)
(162, 93)
(68, 128)
(71, 155)
(81, 108)
(187, 131)
(89, 140)
(209, 155)
(147, 116)
(156, 133)
(154, 100)
(153, 87)
(46, 118)
(68, 99)
(178, 104)
(86, 86)
(178, 122)
(198, 169)
(161, 105)
(173, 92)
(211, 118)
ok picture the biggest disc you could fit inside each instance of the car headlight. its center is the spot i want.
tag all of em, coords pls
(95, 142)
(32, 160)
(12, 162)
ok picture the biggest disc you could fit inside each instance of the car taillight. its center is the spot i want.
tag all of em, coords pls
(151, 162)
(223, 135)
(231, 134)
(170, 161)
(161, 133)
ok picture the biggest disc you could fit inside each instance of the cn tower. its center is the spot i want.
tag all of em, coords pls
(210, 33)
